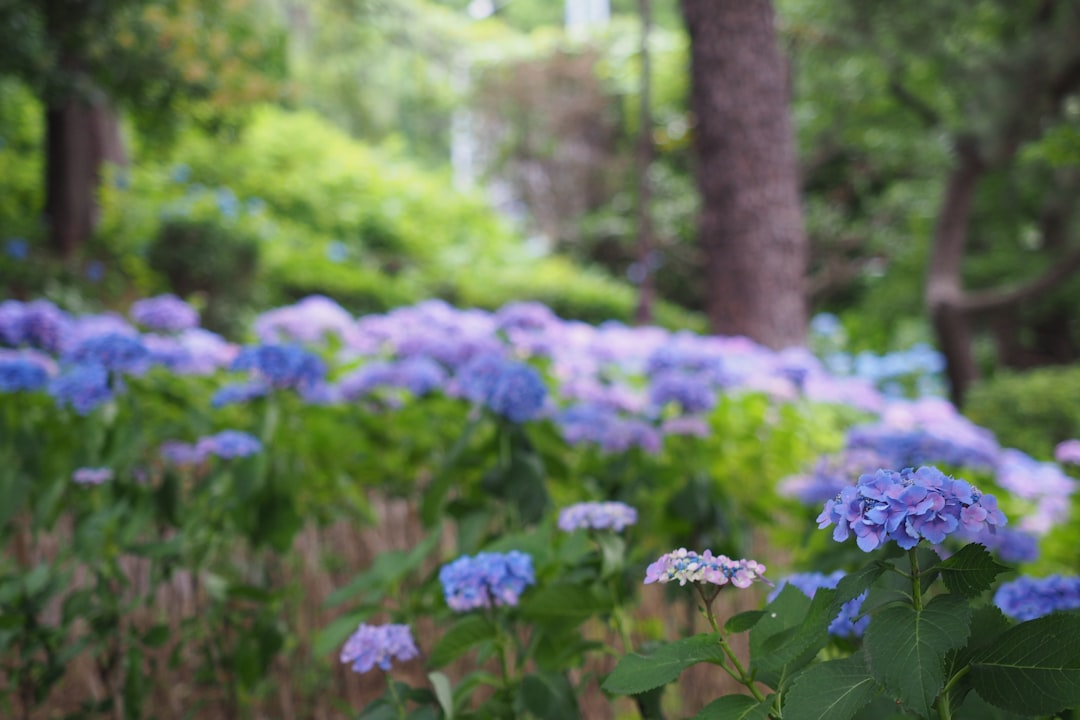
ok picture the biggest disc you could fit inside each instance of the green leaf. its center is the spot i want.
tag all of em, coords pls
(970, 571)
(637, 673)
(801, 629)
(906, 647)
(987, 625)
(612, 553)
(735, 707)
(466, 633)
(443, 693)
(562, 603)
(389, 568)
(1033, 668)
(330, 637)
(549, 696)
(743, 621)
(834, 690)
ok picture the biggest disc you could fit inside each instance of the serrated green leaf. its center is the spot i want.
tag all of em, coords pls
(465, 634)
(637, 673)
(743, 621)
(834, 690)
(780, 620)
(735, 707)
(906, 647)
(1033, 668)
(800, 643)
(987, 625)
(970, 571)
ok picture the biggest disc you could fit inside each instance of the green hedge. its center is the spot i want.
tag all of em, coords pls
(1032, 411)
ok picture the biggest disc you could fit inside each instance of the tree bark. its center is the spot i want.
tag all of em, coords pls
(751, 224)
(643, 313)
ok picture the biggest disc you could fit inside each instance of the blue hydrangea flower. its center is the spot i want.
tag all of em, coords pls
(615, 516)
(956, 445)
(239, 393)
(1027, 598)
(21, 375)
(83, 387)
(373, 645)
(908, 506)
(477, 377)
(38, 324)
(687, 566)
(228, 444)
(487, 579)
(692, 393)
(283, 366)
(112, 351)
(518, 392)
(166, 313)
(847, 624)
(92, 476)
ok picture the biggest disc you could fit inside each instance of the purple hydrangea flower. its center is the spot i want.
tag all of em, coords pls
(908, 506)
(487, 579)
(1028, 598)
(166, 313)
(310, 320)
(1068, 452)
(591, 423)
(615, 516)
(692, 393)
(83, 387)
(113, 351)
(847, 624)
(283, 366)
(92, 476)
(21, 375)
(181, 453)
(831, 475)
(688, 566)
(373, 645)
(228, 444)
(518, 392)
(38, 323)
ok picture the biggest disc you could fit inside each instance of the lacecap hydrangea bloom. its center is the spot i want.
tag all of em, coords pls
(687, 566)
(847, 624)
(1028, 598)
(486, 579)
(373, 645)
(615, 516)
(908, 506)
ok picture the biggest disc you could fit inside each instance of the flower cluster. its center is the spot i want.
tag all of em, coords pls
(1068, 451)
(92, 476)
(486, 579)
(1027, 598)
(615, 516)
(282, 366)
(848, 624)
(167, 313)
(83, 387)
(115, 352)
(908, 506)
(687, 566)
(512, 389)
(373, 645)
(227, 444)
(21, 375)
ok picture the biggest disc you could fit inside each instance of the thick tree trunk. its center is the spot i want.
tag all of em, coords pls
(751, 225)
(79, 138)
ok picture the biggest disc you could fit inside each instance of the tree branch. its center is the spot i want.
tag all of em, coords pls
(983, 301)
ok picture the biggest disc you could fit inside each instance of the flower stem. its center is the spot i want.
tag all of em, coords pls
(916, 581)
(398, 704)
(739, 673)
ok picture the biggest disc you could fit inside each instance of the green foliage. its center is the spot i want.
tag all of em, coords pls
(1032, 411)
(640, 673)
(833, 690)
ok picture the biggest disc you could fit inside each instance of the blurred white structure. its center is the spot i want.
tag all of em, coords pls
(581, 15)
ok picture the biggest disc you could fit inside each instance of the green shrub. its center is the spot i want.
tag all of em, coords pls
(1032, 411)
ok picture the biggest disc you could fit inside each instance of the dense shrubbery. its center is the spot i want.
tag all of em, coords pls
(1033, 410)
(170, 450)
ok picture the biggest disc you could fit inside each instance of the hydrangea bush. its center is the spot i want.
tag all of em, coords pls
(552, 466)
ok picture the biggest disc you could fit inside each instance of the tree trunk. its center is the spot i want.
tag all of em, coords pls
(79, 138)
(647, 288)
(751, 225)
